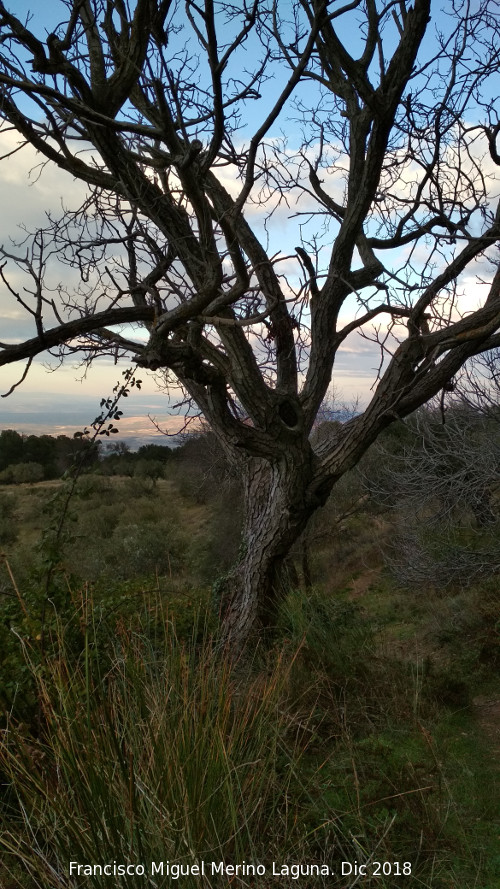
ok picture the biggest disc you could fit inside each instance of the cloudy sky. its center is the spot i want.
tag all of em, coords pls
(59, 399)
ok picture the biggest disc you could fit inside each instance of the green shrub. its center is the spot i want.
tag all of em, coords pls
(8, 524)
(98, 522)
(90, 485)
(145, 548)
(332, 632)
(22, 473)
(151, 469)
(8, 531)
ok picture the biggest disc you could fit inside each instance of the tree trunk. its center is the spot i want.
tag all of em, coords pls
(276, 513)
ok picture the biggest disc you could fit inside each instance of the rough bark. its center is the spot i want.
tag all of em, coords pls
(277, 510)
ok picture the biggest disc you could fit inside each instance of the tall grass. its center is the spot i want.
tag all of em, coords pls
(149, 748)
(150, 753)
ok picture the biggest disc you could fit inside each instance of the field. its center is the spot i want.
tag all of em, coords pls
(368, 732)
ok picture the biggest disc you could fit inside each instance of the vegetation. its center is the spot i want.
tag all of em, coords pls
(31, 458)
(384, 151)
(128, 734)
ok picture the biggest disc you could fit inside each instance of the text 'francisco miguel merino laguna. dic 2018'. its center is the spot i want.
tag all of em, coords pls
(295, 871)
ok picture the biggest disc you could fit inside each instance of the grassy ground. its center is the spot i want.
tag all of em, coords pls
(368, 734)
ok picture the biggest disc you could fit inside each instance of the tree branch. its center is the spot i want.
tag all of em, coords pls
(70, 330)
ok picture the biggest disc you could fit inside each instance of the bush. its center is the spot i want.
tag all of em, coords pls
(152, 469)
(8, 525)
(89, 485)
(125, 551)
(99, 522)
(22, 473)
(145, 549)
(442, 489)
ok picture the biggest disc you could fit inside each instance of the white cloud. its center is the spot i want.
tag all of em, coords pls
(30, 188)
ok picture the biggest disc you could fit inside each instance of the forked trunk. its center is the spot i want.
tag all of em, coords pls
(276, 512)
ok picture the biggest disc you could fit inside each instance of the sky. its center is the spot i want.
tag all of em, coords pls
(62, 399)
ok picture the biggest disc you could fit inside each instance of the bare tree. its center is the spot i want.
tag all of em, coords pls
(442, 488)
(170, 113)
(477, 386)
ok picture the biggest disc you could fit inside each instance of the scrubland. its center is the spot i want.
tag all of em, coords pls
(366, 730)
